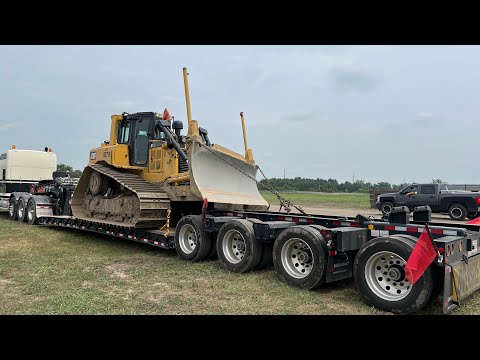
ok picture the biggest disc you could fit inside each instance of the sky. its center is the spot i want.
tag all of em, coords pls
(378, 113)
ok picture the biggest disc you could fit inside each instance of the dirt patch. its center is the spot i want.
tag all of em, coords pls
(163, 286)
(118, 270)
(4, 283)
(201, 280)
(86, 284)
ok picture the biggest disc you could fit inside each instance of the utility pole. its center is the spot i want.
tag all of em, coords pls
(283, 173)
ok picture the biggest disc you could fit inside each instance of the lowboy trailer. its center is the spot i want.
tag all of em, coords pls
(150, 183)
(308, 251)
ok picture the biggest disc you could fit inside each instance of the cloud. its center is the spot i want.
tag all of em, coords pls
(10, 125)
(346, 79)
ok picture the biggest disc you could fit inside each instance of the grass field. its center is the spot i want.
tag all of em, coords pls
(342, 201)
(60, 271)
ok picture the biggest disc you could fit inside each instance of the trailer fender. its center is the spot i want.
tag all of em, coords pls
(43, 205)
(18, 195)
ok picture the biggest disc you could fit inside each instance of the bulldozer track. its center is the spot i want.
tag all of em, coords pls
(153, 201)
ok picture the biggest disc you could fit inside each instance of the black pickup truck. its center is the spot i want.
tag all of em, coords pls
(458, 204)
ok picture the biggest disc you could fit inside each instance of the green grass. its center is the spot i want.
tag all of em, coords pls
(312, 199)
(63, 271)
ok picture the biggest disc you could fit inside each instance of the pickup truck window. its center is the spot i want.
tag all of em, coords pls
(427, 189)
(410, 189)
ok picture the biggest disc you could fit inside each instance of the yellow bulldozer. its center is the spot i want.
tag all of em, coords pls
(148, 170)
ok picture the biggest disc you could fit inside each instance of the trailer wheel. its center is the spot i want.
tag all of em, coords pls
(237, 248)
(380, 276)
(457, 212)
(212, 254)
(32, 218)
(300, 257)
(267, 250)
(437, 272)
(191, 241)
(21, 210)
(386, 207)
(267, 256)
(12, 209)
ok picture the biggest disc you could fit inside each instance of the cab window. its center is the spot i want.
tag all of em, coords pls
(159, 135)
(428, 189)
(123, 135)
(410, 189)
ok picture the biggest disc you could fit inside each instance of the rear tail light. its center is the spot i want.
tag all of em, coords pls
(477, 200)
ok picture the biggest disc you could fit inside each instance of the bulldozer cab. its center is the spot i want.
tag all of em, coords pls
(139, 132)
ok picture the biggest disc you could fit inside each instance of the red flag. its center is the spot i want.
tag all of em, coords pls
(166, 114)
(475, 221)
(421, 257)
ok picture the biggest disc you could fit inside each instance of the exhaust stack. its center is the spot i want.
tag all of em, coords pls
(192, 124)
(248, 152)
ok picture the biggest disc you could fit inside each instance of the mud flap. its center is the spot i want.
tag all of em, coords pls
(461, 280)
(217, 175)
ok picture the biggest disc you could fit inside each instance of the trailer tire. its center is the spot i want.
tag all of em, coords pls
(386, 207)
(191, 241)
(289, 247)
(12, 209)
(457, 212)
(383, 291)
(32, 218)
(437, 272)
(267, 250)
(237, 248)
(267, 256)
(21, 210)
(212, 254)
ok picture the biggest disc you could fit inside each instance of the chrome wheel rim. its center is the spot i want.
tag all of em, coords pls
(30, 209)
(385, 276)
(297, 258)
(234, 246)
(387, 209)
(11, 209)
(187, 239)
(20, 209)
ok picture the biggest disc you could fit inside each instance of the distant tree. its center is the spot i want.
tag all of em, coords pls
(63, 167)
(330, 185)
(76, 174)
(73, 173)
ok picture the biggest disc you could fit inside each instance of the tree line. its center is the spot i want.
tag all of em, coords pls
(330, 185)
(73, 173)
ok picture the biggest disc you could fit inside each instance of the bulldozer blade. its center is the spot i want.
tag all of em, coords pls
(215, 175)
